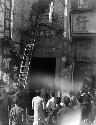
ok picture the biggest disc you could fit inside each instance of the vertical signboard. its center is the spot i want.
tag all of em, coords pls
(1, 20)
(1, 33)
(7, 20)
(7, 37)
(83, 74)
(84, 50)
(66, 75)
(10, 59)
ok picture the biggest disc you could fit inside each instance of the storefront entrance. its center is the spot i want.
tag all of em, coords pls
(83, 75)
(41, 75)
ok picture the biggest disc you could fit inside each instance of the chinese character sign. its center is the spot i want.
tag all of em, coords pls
(6, 77)
(0, 62)
(7, 19)
(1, 19)
(84, 50)
(46, 33)
(6, 62)
(84, 4)
(10, 62)
(7, 50)
(15, 67)
(83, 22)
(11, 65)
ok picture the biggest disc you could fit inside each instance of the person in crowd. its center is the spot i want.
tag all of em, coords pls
(84, 106)
(92, 116)
(64, 111)
(73, 101)
(58, 102)
(62, 102)
(86, 111)
(17, 114)
(3, 107)
(47, 95)
(51, 102)
(53, 114)
(79, 105)
(39, 107)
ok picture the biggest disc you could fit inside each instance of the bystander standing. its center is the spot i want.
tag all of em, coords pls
(39, 106)
(17, 114)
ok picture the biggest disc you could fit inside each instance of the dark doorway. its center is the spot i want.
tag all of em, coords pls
(41, 75)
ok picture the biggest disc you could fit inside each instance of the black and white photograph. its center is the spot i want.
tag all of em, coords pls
(47, 62)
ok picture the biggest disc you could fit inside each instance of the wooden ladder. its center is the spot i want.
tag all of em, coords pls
(24, 68)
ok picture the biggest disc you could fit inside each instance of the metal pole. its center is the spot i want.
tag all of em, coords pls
(72, 76)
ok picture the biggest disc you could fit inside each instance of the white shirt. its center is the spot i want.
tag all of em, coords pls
(38, 104)
(51, 103)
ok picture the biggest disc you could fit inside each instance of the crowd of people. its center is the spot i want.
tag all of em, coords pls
(68, 110)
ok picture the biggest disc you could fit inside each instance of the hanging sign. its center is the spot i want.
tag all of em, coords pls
(7, 20)
(1, 19)
(43, 33)
(83, 22)
(6, 58)
(81, 4)
(84, 50)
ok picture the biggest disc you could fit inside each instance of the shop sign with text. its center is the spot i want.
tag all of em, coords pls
(7, 20)
(83, 22)
(84, 50)
(82, 4)
(1, 19)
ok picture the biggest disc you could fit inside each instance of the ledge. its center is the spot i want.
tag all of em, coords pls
(84, 35)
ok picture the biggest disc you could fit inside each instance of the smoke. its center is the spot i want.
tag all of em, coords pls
(51, 82)
(71, 118)
(46, 81)
(41, 80)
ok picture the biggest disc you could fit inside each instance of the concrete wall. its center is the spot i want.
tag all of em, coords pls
(21, 12)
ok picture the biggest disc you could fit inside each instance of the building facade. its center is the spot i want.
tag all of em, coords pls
(83, 35)
(52, 38)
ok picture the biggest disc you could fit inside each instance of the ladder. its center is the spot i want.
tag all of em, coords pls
(25, 63)
(24, 68)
